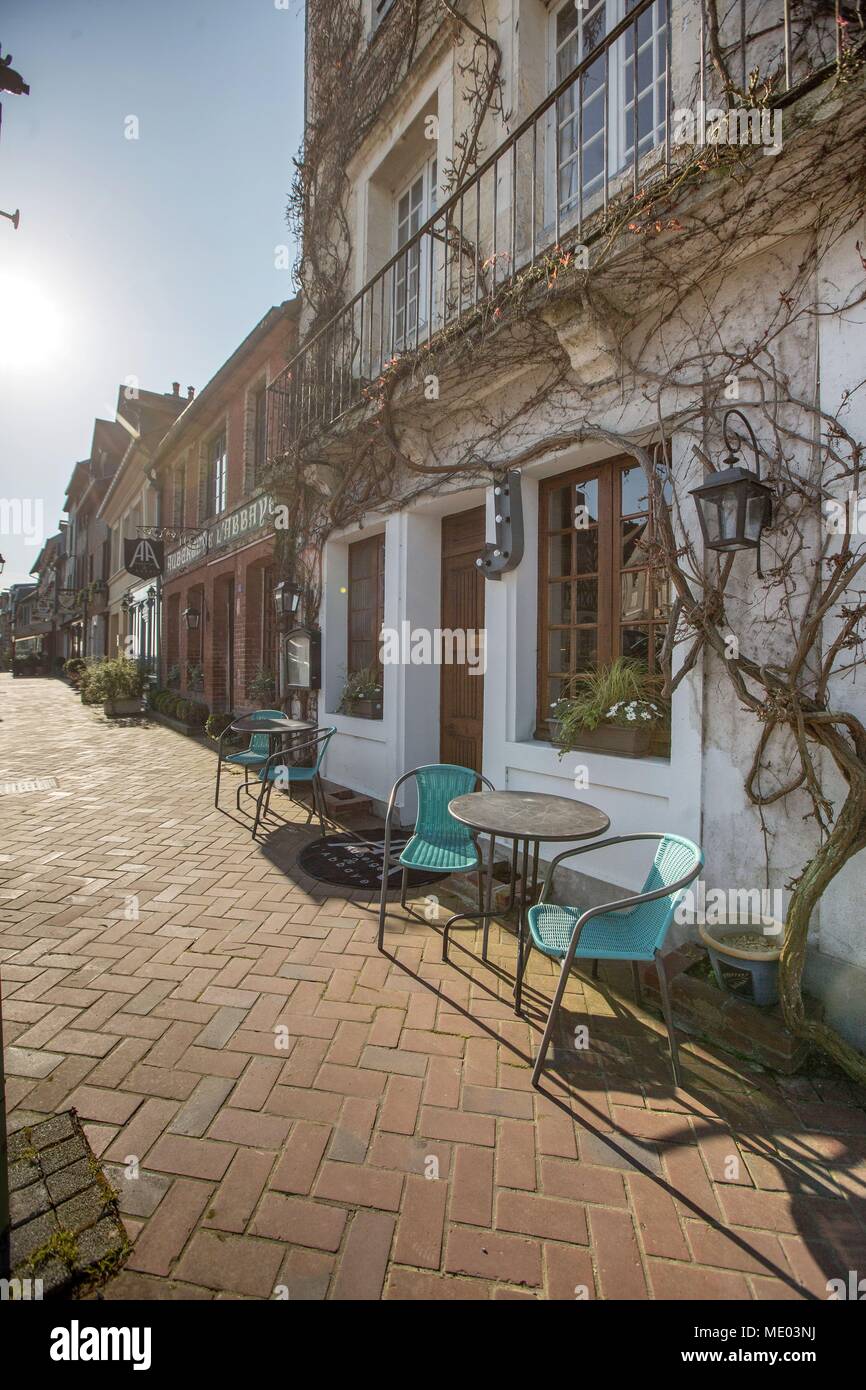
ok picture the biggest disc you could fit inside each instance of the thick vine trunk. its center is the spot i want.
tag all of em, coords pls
(847, 837)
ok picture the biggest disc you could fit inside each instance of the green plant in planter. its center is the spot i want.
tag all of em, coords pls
(115, 679)
(196, 714)
(74, 665)
(365, 684)
(263, 687)
(622, 695)
(216, 724)
(172, 675)
(195, 675)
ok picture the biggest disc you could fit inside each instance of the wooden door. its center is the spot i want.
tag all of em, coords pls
(461, 715)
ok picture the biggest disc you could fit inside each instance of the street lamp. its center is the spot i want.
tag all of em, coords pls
(192, 618)
(734, 506)
(287, 599)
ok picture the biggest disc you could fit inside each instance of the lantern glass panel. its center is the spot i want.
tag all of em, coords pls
(756, 509)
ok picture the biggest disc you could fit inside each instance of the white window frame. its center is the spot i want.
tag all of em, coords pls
(619, 153)
(405, 340)
(218, 480)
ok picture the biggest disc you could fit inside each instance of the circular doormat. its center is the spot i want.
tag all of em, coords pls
(348, 862)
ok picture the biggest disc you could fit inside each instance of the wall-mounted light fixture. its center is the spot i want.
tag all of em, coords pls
(287, 599)
(506, 552)
(192, 618)
(734, 506)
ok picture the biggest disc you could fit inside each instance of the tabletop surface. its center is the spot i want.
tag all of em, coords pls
(271, 725)
(529, 815)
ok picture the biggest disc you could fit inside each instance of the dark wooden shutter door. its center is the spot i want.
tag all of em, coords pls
(461, 735)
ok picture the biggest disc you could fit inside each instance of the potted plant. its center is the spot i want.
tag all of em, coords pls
(172, 676)
(194, 675)
(362, 694)
(749, 949)
(263, 687)
(610, 709)
(73, 669)
(118, 684)
(216, 724)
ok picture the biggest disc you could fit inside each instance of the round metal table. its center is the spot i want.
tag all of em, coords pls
(526, 818)
(248, 724)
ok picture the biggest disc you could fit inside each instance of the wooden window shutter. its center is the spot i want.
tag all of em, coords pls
(366, 602)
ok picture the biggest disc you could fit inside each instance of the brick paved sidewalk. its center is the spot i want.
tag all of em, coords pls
(154, 960)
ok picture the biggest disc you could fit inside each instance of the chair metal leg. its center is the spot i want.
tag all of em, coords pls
(404, 887)
(320, 799)
(216, 795)
(635, 975)
(551, 1020)
(661, 970)
(264, 789)
(595, 969)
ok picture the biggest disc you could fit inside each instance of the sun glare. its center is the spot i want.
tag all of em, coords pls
(30, 324)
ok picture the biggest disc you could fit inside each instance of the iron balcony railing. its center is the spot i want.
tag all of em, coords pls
(605, 128)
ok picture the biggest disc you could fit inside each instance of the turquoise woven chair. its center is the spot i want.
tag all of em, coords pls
(281, 770)
(438, 842)
(632, 929)
(255, 754)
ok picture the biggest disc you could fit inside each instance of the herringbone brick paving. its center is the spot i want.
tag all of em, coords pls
(314, 1120)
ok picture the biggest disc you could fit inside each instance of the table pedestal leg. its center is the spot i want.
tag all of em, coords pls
(521, 928)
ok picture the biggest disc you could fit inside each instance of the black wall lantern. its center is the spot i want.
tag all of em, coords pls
(734, 506)
(2, 564)
(287, 599)
(192, 618)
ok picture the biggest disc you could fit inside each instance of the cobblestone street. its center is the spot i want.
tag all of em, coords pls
(308, 1113)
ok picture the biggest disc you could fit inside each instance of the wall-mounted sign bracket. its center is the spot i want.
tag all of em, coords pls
(506, 552)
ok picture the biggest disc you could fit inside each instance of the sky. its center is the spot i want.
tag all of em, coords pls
(150, 257)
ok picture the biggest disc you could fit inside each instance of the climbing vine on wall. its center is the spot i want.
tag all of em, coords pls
(654, 299)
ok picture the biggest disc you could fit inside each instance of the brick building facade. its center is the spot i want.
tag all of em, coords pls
(219, 631)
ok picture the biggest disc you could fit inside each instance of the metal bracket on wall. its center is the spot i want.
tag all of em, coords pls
(506, 552)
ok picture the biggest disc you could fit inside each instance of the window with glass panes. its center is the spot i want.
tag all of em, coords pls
(412, 270)
(600, 596)
(179, 500)
(595, 116)
(218, 474)
(260, 428)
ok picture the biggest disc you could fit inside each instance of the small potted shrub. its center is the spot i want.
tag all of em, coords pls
(73, 668)
(610, 709)
(196, 714)
(362, 694)
(263, 688)
(194, 675)
(118, 684)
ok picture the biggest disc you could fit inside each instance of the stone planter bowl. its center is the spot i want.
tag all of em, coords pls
(761, 965)
(113, 709)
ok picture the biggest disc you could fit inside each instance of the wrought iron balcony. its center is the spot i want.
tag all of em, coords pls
(605, 130)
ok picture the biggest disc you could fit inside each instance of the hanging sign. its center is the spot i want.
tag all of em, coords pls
(143, 558)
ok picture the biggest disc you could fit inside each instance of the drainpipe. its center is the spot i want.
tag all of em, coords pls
(156, 619)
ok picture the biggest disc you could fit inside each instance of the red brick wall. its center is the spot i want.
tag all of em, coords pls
(206, 588)
(207, 585)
